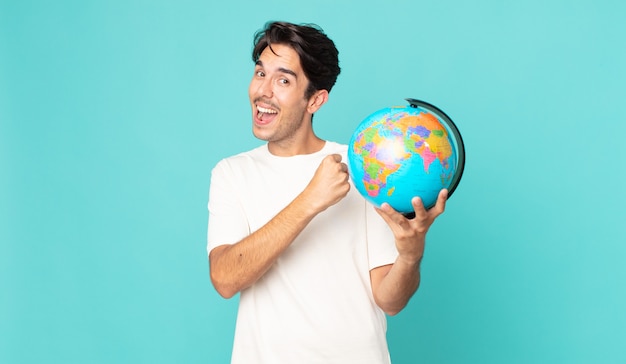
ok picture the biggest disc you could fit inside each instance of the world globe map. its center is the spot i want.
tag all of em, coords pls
(400, 152)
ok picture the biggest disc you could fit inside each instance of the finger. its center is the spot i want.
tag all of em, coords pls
(390, 215)
(336, 157)
(346, 176)
(381, 211)
(440, 206)
(385, 209)
(344, 167)
(418, 207)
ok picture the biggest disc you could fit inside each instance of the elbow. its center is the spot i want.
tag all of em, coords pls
(221, 285)
(225, 293)
(220, 281)
(390, 310)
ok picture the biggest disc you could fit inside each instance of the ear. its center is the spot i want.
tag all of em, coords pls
(316, 101)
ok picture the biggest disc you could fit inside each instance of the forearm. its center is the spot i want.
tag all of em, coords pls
(399, 284)
(237, 266)
(393, 286)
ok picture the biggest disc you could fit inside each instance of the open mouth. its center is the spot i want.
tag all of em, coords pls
(265, 115)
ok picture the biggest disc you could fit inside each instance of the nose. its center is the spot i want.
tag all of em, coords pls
(265, 88)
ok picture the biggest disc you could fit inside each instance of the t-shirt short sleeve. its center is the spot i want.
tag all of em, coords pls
(227, 221)
(380, 240)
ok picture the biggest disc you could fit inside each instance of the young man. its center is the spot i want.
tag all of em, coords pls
(316, 265)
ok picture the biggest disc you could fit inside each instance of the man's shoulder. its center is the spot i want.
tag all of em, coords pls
(239, 163)
(255, 153)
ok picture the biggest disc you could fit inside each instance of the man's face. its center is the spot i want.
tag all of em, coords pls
(277, 94)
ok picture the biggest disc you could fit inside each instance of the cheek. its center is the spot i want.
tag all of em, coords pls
(250, 89)
(289, 98)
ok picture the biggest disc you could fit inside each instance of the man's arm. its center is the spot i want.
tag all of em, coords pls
(393, 285)
(237, 266)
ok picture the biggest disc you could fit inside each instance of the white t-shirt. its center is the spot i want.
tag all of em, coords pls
(315, 305)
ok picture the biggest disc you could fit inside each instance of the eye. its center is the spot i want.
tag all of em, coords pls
(283, 81)
(259, 73)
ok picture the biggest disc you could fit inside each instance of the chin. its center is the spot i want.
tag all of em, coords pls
(260, 135)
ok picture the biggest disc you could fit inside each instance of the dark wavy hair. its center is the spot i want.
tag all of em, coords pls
(318, 55)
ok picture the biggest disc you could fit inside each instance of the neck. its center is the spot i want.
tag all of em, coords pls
(291, 147)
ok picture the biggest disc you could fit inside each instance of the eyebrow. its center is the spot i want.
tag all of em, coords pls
(280, 69)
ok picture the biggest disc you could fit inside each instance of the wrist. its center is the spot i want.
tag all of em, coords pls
(306, 206)
(410, 261)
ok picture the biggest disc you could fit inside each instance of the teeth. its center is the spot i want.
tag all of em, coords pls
(266, 111)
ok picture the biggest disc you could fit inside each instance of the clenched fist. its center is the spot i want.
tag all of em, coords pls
(328, 185)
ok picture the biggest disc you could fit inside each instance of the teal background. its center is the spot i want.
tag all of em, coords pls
(114, 112)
